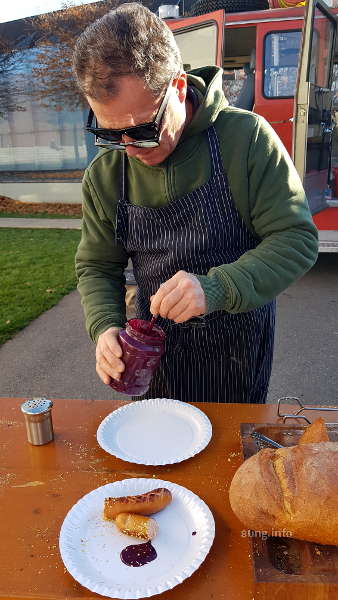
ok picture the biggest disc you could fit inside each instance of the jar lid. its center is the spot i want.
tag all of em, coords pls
(36, 406)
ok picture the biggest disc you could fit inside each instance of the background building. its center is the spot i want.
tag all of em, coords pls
(42, 118)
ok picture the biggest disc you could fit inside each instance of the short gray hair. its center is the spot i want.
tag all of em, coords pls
(129, 40)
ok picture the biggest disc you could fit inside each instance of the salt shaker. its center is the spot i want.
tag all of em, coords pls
(38, 419)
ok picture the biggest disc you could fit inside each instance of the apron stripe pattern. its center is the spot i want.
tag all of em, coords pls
(220, 357)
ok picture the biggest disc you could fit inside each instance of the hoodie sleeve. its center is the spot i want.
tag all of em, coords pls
(100, 263)
(279, 217)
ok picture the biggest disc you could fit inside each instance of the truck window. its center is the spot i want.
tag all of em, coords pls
(321, 50)
(198, 46)
(239, 63)
(281, 50)
(334, 86)
(233, 81)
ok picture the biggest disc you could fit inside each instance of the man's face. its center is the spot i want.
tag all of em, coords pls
(134, 104)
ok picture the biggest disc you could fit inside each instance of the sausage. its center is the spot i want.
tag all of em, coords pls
(137, 525)
(143, 504)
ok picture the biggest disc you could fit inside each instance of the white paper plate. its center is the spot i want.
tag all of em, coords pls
(155, 432)
(90, 546)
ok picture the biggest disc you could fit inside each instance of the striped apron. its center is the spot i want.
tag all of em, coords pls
(220, 357)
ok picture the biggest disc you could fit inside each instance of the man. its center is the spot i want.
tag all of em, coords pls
(205, 200)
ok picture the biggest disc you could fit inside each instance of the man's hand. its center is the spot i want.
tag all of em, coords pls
(108, 355)
(179, 299)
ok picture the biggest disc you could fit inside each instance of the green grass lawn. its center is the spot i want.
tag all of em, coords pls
(37, 270)
(6, 215)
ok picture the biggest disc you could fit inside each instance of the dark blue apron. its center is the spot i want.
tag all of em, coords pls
(220, 357)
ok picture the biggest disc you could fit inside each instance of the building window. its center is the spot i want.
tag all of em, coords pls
(36, 137)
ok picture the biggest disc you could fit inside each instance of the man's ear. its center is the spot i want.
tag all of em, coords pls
(180, 82)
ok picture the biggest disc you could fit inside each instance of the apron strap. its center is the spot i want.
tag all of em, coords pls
(121, 214)
(123, 182)
(215, 152)
(215, 157)
(216, 170)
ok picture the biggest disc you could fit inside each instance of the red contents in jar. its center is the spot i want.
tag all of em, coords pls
(141, 354)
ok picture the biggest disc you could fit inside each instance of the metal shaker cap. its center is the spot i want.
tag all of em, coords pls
(36, 406)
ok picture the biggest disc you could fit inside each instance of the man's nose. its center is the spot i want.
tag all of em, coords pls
(126, 139)
(130, 150)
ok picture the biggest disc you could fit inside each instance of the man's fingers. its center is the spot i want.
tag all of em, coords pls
(107, 354)
(103, 376)
(170, 301)
(179, 298)
(163, 290)
(113, 369)
(114, 346)
(179, 309)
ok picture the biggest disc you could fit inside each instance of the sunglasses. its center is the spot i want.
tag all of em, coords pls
(145, 135)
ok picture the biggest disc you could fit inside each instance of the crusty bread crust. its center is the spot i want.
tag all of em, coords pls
(293, 489)
(314, 433)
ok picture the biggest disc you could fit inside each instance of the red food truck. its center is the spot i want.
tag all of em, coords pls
(279, 63)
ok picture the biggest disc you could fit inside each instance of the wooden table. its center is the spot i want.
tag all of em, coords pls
(39, 484)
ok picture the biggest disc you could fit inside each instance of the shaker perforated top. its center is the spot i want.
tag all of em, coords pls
(36, 406)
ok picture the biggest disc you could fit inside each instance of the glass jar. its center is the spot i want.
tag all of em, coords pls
(141, 354)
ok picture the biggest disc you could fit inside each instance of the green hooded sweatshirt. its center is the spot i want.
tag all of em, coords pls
(266, 190)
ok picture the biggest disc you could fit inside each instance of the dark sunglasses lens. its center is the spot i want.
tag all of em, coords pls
(110, 136)
(138, 134)
(106, 134)
(147, 132)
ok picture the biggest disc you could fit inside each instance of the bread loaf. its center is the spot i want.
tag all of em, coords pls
(314, 433)
(293, 489)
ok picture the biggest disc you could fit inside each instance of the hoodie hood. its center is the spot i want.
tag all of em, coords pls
(207, 81)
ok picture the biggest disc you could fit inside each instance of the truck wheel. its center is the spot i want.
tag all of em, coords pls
(205, 6)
